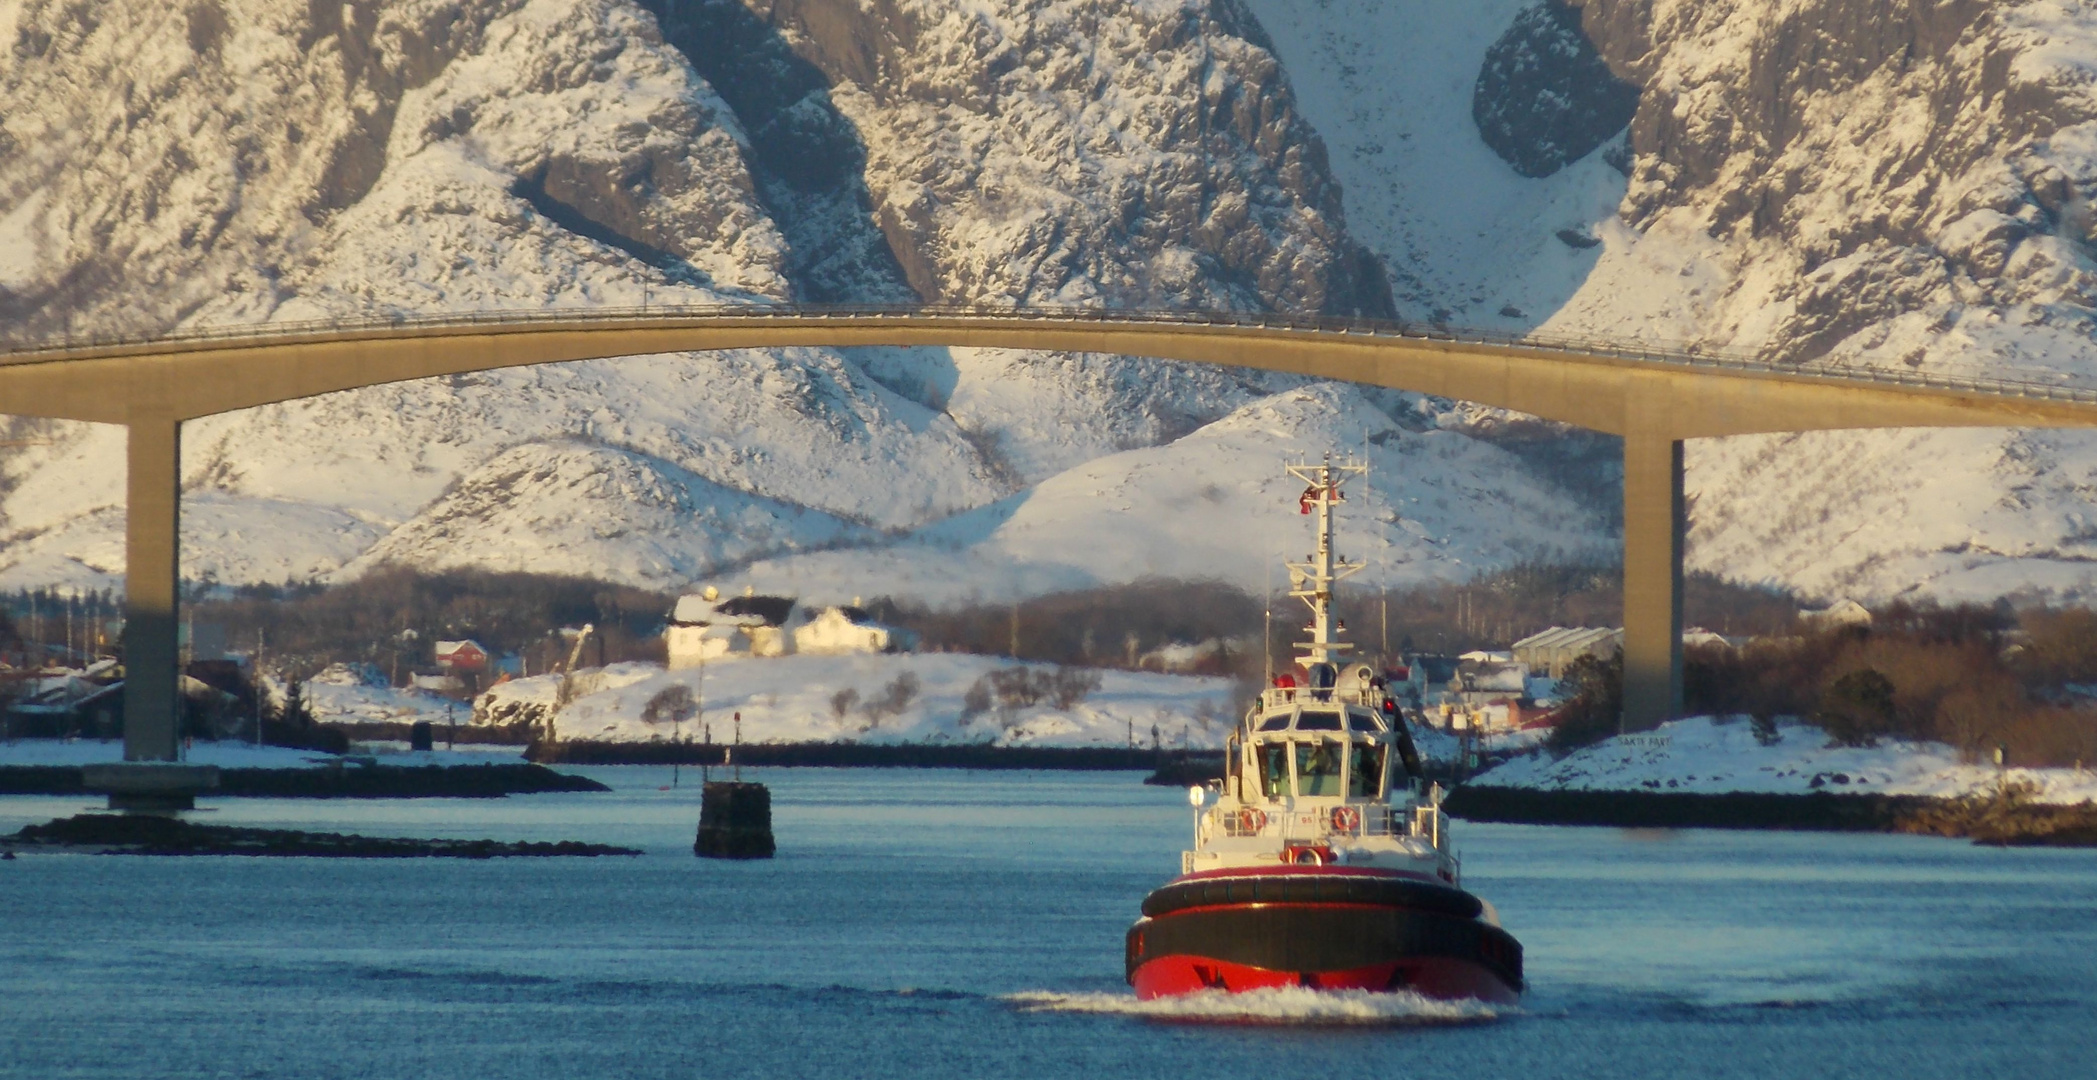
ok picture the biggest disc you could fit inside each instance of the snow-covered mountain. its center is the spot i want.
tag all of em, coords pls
(1853, 180)
(1438, 505)
(1814, 178)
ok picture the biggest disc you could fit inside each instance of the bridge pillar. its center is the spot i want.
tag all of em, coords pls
(151, 534)
(1654, 519)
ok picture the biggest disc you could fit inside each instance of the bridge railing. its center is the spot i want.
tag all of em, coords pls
(2053, 386)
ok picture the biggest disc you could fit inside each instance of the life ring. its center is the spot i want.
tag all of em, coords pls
(1346, 819)
(1306, 856)
(1251, 821)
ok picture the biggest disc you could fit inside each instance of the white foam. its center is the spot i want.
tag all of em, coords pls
(1277, 1005)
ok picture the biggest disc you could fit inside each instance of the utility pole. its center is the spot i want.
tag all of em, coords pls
(698, 716)
(1267, 638)
(256, 668)
(1386, 625)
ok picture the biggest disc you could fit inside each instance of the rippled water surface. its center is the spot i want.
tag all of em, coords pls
(942, 923)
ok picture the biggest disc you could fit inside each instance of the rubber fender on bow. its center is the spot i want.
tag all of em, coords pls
(1312, 889)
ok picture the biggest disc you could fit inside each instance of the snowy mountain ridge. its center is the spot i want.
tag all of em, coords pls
(1813, 178)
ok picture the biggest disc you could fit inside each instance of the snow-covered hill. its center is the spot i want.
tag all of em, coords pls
(557, 152)
(1438, 505)
(1708, 755)
(888, 699)
(1815, 178)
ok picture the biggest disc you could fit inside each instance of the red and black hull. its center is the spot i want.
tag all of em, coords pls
(1326, 928)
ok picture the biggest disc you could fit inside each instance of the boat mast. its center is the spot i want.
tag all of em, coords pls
(1312, 581)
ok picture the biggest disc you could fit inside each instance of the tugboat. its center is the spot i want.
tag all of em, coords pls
(1324, 860)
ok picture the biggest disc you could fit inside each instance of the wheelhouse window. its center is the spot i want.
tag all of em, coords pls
(1275, 723)
(1365, 771)
(1273, 759)
(1318, 768)
(1318, 720)
(1363, 721)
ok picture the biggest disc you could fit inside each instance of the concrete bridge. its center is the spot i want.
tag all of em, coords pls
(1654, 400)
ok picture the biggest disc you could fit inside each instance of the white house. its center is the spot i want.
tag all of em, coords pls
(1836, 615)
(706, 625)
(849, 629)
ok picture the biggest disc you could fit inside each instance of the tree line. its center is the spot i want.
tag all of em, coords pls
(1971, 676)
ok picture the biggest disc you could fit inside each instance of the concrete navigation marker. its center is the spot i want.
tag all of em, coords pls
(735, 821)
(157, 787)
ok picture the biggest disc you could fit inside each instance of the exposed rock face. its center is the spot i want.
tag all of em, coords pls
(1898, 173)
(1083, 152)
(1544, 95)
(807, 157)
(1870, 183)
(1904, 183)
(247, 160)
(213, 165)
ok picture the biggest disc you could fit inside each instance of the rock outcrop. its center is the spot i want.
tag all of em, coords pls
(1544, 96)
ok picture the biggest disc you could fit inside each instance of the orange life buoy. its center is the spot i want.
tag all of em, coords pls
(1307, 856)
(1345, 819)
(1251, 821)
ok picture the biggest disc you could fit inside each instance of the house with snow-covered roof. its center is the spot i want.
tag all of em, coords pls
(467, 655)
(848, 628)
(1841, 613)
(706, 625)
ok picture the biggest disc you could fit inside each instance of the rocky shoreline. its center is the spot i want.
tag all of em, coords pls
(2006, 818)
(130, 834)
(337, 780)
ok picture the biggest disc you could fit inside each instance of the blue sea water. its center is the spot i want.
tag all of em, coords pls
(934, 923)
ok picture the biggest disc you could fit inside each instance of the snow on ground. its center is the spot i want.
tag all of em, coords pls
(363, 703)
(1388, 83)
(1435, 744)
(1708, 755)
(577, 508)
(1437, 506)
(1962, 514)
(795, 699)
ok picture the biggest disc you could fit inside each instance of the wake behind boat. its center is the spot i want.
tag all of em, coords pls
(1322, 861)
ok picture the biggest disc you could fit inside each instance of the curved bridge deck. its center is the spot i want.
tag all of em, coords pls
(1653, 398)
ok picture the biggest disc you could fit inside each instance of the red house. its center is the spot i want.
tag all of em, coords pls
(462, 655)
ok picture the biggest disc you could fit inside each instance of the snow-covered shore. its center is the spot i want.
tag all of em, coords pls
(1711, 755)
(347, 702)
(887, 699)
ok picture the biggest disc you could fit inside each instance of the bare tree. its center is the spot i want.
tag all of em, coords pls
(670, 705)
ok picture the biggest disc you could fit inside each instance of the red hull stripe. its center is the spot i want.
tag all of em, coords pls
(1328, 937)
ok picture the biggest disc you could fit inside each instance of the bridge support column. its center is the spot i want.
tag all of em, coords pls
(1654, 519)
(152, 531)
